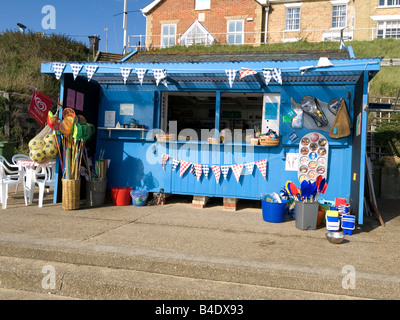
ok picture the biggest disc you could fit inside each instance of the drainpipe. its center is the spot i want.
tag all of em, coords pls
(266, 23)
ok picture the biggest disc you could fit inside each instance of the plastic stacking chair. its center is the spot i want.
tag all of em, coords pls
(7, 177)
(45, 182)
(14, 160)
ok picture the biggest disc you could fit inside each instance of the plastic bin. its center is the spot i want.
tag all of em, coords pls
(121, 195)
(306, 215)
(274, 212)
(139, 197)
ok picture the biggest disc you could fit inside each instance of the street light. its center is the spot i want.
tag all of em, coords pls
(106, 30)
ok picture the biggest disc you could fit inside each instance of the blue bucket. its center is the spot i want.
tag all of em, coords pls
(274, 212)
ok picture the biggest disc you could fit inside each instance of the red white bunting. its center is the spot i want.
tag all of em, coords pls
(237, 170)
(164, 159)
(262, 166)
(217, 172)
(184, 166)
(244, 72)
(197, 169)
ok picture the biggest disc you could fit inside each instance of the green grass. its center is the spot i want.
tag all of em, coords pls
(21, 56)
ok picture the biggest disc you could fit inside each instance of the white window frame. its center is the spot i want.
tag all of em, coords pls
(168, 36)
(205, 37)
(202, 5)
(288, 9)
(334, 5)
(383, 26)
(235, 33)
(385, 3)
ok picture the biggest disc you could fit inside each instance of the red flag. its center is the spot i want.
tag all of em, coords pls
(40, 107)
(244, 72)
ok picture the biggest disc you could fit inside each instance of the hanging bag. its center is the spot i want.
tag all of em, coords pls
(341, 125)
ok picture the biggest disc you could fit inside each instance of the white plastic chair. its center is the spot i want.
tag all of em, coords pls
(8, 178)
(45, 182)
(15, 158)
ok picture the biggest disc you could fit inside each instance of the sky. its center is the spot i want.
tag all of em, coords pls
(76, 18)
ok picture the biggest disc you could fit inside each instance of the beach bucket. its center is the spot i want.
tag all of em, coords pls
(332, 223)
(348, 224)
(121, 195)
(274, 212)
(139, 197)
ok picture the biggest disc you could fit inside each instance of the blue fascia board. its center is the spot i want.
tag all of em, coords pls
(113, 68)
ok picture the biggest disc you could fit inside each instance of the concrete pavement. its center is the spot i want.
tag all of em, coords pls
(176, 251)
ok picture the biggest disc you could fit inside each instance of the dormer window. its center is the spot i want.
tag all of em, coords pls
(196, 34)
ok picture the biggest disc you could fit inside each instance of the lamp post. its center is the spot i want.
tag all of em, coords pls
(106, 30)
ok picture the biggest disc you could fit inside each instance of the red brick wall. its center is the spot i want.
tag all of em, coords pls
(182, 13)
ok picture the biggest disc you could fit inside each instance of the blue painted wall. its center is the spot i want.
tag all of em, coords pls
(137, 162)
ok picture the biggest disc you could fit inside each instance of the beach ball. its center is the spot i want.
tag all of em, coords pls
(37, 155)
(35, 144)
(50, 151)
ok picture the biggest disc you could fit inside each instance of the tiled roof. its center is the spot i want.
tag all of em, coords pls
(156, 57)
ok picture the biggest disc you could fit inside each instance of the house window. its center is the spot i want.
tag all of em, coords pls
(388, 29)
(202, 4)
(339, 16)
(293, 18)
(235, 32)
(168, 35)
(196, 34)
(389, 3)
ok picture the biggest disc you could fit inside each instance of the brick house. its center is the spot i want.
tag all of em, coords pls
(185, 22)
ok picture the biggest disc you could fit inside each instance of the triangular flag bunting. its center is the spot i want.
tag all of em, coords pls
(184, 166)
(206, 170)
(140, 73)
(244, 72)
(249, 166)
(160, 75)
(90, 71)
(237, 170)
(225, 170)
(262, 166)
(76, 68)
(58, 69)
(175, 163)
(277, 74)
(164, 159)
(198, 170)
(125, 73)
(231, 74)
(267, 75)
(217, 172)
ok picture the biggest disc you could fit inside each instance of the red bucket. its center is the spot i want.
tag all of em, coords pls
(121, 196)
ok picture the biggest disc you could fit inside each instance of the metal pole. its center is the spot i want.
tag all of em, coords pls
(106, 29)
(125, 24)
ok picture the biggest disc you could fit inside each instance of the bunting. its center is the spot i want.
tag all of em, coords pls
(90, 71)
(206, 170)
(175, 163)
(184, 166)
(125, 72)
(76, 68)
(270, 73)
(262, 166)
(160, 75)
(250, 167)
(164, 159)
(58, 69)
(217, 172)
(231, 74)
(140, 73)
(244, 72)
(198, 170)
(237, 171)
(225, 171)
